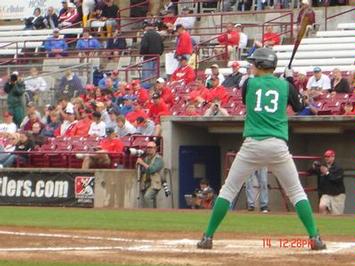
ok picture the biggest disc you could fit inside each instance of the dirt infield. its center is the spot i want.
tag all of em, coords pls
(165, 248)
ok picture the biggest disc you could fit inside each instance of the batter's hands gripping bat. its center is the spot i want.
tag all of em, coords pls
(301, 32)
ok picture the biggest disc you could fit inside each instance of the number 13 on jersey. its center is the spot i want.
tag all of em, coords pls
(266, 101)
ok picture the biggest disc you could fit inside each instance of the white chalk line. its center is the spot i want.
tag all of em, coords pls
(168, 246)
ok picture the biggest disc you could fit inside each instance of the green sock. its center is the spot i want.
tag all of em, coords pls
(220, 209)
(304, 211)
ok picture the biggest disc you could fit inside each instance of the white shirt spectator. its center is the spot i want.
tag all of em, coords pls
(127, 129)
(220, 77)
(8, 128)
(36, 84)
(148, 129)
(106, 118)
(187, 22)
(323, 83)
(97, 129)
(243, 40)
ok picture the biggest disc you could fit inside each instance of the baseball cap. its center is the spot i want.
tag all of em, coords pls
(71, 5)
(235, 64)
(155, 96)
(69, 111)
(135, 82)
(140, 120)
(237, 25)
(329, 153)
(8, 114)
(317, 69)
(160, 80)
(214, 65)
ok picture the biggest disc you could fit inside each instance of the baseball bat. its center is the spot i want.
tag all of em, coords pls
(301, 32)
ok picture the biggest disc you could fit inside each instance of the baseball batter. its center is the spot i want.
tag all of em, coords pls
(266, 132)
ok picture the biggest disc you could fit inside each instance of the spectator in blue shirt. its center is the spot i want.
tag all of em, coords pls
(55, 46)
(310, 107)
(113, 76)
(87, 42)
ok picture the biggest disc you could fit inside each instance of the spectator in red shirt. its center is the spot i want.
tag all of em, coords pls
(218, 92)
(301, 81)
(137, 112)
(270, 38)
(306, 12)
(158, 108)
(141, 94)
(70, 17)
(229, 39)
(184, 72)
(82, 127)
(67, 127)
(110, 144)
(200, 93)
(184, 42)
(164, 92)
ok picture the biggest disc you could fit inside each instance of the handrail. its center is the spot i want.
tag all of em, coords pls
(326, 18)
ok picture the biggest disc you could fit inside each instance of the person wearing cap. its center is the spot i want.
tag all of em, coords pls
(188, 22)
(66, 129)
(35, 84)
(243, 38)
(230, 41)
(218, 92)
(145, 126)
(318, 82)
(55, 46)
(151, 46)
(164, 91)
(214, 73)
(87, 42)
(184, 42)
(8, 126)
(141, 94)
(158, 108)
(169, 19)
(127, 106)
(199, 94)
(136, 112)
(107, 146)
(52, 126)
(15, 88)
(331, 187)
(69, 17)
(338, 83)
(233, 80)
(124, 127)
(97, 127)
(184, 73)
(82, 128)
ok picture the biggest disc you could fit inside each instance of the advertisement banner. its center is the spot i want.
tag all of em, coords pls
(20, 9)
(47, 189)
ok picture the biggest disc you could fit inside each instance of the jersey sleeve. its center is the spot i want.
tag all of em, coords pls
(295, 98)
(244, 90)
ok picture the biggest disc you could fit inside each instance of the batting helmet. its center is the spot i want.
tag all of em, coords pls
(263, 58)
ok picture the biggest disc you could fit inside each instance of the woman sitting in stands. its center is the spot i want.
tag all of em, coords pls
(36, 22)
(6, 158)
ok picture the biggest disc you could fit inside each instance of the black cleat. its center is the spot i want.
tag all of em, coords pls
(205, 242)
(317, 243)
(251, 208)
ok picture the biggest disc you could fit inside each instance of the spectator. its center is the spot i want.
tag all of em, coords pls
(331, 187)
(191, 110)
(110, 14)
(204, 196)
(200, 94)
(110, 144)
(83, 126)
(30, 108)
(306, 12)
(184, 42)
(124, 127)
(70, 85)
(7, 159)
(145, 126)
(230, 40)
(101, 108)
(35, 85)
(33, 118)
(52, 126)
(54, 46)
(158, 108)
(214, 73)
(64, 8)
(151, 44)
(36, 22)
(186, 20)
(8, 126)
(135, 113)
(35, 135)
(233, 80)
(87, 42)
(184, 73)
(318, 82)
(215, 109)
(110, 82)
(301, 81)
(69, 17)
(169, 20)
(338, 83)
(62, 106)
(310, 108)
(270, 38)
(127, 106)
(51, 18)
(352, 81)
(349, 109)
(113, 114)
(87, 7)
(24, 144)
(116, 43)
(218, 92)
(97, 127)
(67, 127)
(243, 38)
(151, 166)
(261, 176)
(250, 74)
(140, 93)
(15, 89)
(164, 91)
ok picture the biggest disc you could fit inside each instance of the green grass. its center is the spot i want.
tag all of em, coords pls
(189, 221)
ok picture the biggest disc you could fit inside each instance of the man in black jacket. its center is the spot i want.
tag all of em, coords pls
(331, 187)
(233, 80)
(151, 47)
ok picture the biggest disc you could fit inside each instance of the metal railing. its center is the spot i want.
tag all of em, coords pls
(326, 17)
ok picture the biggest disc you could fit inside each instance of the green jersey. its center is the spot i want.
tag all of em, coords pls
(266, 98)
